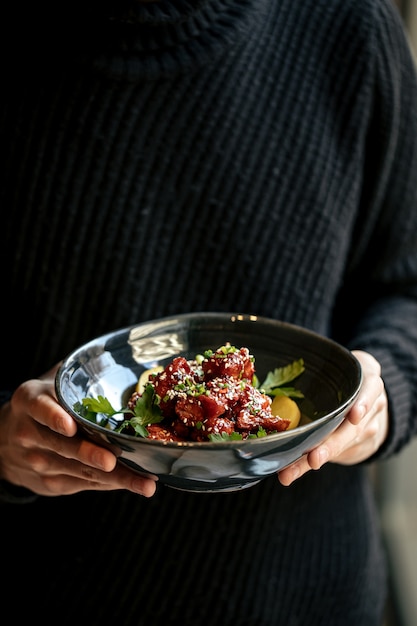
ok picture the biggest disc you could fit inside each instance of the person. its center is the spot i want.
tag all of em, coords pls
(254, 156)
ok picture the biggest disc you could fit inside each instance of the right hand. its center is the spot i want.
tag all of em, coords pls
(41, 450)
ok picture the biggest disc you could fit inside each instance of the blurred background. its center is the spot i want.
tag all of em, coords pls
(396, 479)
(408, 10)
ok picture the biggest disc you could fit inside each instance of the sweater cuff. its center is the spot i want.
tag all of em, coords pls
(15, 495)
(399, 407)
(5, 396)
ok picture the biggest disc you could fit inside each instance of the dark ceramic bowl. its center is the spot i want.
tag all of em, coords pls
(111, 365)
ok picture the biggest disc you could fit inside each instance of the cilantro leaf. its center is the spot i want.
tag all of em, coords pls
(225, 436)
(235, 436)
(89, 408)
(99, 405)
(146, 411)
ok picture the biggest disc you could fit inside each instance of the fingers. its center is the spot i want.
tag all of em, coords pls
(77, 477)
(49, 473)
(35, 398)
(45, 454)
(74, 465)
(372, 386)
(288, 475)
(74, 477)
(359, 436)
(75, 448)
(53, 422)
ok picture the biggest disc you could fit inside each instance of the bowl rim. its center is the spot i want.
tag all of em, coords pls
(206, 445)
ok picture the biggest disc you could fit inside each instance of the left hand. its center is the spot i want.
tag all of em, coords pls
(360, 434)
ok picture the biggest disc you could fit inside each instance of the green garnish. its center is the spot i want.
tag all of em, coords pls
(221, 352)
(274, 381)
(261, 432)
(146, 411)
(91, 407)
(225, 437)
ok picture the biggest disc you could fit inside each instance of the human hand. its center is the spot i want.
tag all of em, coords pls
(41, 450)
(360, 434)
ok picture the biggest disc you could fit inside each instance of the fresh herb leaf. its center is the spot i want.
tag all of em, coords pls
(99, 405)
(146, 411)
(147, 408)
(261, 432)
(281, 376)
(225, 437)
(89, 408)
(234, 436)
(291, 392)
(134, 423)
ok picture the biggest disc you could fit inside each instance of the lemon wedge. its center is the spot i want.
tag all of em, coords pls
(144, 377)
(287, 409)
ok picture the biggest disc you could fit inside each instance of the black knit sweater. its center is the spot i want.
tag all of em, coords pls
(204, 155)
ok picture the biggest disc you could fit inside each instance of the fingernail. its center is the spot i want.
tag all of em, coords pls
(137, 486)
(323, 456)
(362, 410)
(296, 472)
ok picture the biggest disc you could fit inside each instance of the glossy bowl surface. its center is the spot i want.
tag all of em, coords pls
(110, 365)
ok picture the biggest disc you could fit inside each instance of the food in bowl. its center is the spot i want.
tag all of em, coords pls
(110, 366)
(212, 397)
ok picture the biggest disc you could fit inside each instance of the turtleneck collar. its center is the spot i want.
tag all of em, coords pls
(132, 39)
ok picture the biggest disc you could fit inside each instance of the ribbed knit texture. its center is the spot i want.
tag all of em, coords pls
(254, 156)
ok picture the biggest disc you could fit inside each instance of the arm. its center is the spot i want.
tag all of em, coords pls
(378, 307)
(376, 314)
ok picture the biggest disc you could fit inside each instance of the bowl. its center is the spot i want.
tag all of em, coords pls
(111, 365)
